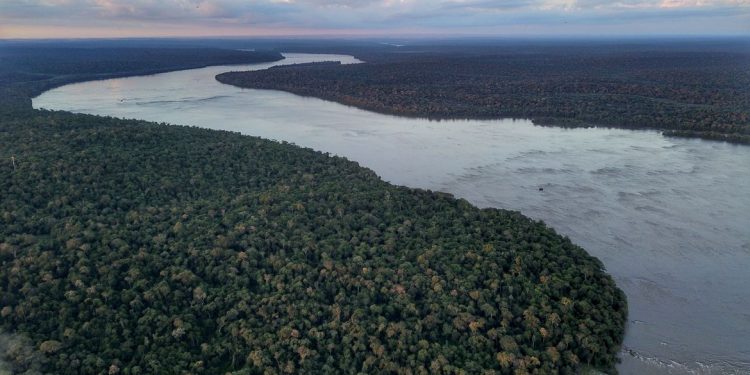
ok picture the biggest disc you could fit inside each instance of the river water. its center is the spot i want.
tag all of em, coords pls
(669, 217)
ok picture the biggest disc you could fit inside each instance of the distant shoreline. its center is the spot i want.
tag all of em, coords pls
(414, 87)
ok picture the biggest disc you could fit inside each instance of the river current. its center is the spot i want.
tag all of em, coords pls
(668, 217)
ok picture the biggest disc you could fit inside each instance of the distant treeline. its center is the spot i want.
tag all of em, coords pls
(307, 65)
(685, 92)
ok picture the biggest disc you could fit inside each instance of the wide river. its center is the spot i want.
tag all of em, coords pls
(669, 217)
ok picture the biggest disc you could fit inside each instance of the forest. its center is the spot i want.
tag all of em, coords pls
(129, 247)
(682, 89)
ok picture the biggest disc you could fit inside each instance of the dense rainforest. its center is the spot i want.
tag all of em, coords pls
(684, 89)
(129, 247)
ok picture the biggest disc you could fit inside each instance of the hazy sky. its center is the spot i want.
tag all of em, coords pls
(123, 18)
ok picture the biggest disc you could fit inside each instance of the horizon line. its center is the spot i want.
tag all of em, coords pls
(415, 36)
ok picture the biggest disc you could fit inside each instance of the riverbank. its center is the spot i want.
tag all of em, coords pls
(688, 94)
(619, 193)
(26, 71)
(276, 223)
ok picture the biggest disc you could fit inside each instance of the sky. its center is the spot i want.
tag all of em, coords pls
(340, 18)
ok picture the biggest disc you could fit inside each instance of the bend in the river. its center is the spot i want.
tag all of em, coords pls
(667, 216)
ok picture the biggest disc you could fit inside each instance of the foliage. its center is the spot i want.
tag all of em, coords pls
(689, 93)
(129, 247)
(158, 248)
(18, 355)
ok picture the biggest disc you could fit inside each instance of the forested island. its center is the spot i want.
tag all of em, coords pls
(129, 247)
(682, 88)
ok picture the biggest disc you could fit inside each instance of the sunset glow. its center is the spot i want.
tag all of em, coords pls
(143, 18)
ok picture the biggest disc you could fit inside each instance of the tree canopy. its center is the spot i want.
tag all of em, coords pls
(129, 247)
(163, 249)
(685, 90)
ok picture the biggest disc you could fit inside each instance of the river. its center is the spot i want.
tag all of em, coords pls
(669, 217)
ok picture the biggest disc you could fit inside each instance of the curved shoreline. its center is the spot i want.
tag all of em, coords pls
(614, 324)
(18, 96)
(235, 78)
(628, 356)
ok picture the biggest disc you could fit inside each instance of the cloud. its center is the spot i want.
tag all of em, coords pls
(381, 16)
